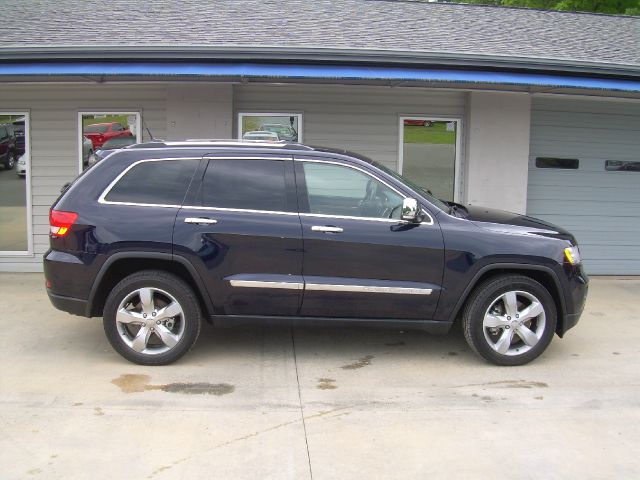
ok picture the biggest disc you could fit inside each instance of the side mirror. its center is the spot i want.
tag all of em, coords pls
(410, 209)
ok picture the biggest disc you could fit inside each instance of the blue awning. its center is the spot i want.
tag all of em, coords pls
(312, 72)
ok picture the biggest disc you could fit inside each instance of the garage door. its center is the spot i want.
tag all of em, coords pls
(584, 175)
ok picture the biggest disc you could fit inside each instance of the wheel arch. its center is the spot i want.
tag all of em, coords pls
(120, 265)
(540, 273)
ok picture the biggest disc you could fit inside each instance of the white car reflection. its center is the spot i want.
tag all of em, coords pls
(21, 166)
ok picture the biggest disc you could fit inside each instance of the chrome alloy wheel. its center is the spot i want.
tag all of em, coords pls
(150, 321)
(514, 323)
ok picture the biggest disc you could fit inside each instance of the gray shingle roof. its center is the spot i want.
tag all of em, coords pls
(408, 26)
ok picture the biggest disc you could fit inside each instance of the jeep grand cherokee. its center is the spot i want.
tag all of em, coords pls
(161, 236)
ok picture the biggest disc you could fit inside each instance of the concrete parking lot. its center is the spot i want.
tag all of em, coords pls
(266, 403)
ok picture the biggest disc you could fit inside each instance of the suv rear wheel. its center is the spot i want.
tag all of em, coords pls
(509, 319)
(152, 318)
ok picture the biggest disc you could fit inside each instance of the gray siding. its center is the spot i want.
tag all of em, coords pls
(601, 208)
(54, 132)
(361, 119)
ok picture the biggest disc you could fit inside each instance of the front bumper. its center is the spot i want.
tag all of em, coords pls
(577, 287)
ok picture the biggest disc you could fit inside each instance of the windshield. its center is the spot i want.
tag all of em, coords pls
(96, 128)
(423, 191)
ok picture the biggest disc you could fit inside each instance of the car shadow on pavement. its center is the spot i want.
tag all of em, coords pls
(327, 342)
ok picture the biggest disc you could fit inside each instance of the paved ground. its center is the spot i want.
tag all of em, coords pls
(341, 404)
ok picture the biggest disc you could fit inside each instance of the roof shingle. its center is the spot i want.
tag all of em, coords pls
(406, 26)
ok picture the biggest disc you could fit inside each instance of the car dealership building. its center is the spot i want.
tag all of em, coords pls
(525, 110)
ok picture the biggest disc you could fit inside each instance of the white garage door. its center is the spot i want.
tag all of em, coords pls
(584, 175)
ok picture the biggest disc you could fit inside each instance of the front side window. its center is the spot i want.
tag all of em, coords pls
(246, 184)
(156, 183)
(343, 191)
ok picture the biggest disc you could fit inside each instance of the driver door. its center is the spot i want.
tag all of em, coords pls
(360, 260)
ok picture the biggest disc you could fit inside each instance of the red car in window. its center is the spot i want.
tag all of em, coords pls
(416, 122)
(99, 133)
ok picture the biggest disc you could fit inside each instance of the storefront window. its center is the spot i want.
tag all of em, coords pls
(102, 133)
(14, 182)
(429, 150)
(270, 127)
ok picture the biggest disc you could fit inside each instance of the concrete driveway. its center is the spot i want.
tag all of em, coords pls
(258, 403)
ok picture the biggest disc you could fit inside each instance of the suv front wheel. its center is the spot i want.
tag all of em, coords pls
(509, 319)
(10, 161)
(152, 318)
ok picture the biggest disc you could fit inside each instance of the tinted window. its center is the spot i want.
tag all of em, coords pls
(621, 166)
(96, 128)
(563, 163)
(245, 184)
(3, 132)
(336, 190)
(160, 183)
(117, 127)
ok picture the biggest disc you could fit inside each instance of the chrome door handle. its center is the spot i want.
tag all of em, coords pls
(326, 229)
(200, 221)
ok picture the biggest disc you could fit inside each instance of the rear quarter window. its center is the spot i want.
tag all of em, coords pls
(163, 182)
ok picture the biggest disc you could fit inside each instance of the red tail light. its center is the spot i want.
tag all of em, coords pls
(61, 222)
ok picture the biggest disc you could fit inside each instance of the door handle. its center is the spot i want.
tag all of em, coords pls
(326, 229)
(200, 221)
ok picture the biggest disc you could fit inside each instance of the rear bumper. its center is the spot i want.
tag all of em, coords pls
(75, 306)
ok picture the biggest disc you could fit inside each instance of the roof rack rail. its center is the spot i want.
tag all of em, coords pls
(196, 142)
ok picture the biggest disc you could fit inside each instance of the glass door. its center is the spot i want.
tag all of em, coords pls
(429, 149)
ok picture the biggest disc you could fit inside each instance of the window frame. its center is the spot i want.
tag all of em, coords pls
(138, 135)
(102, 199)
(241, 115)
(303, 202)
(29, 252)
(457, 166)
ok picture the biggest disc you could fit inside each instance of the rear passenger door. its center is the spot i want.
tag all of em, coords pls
(239, 226)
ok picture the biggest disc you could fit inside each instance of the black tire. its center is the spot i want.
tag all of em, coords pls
(160, 282)
(10, 161)
(488, 295)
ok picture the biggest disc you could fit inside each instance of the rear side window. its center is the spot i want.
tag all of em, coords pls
(162, 182)
(246, 185)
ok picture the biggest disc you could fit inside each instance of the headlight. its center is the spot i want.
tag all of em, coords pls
(572, 255)
(21, 161)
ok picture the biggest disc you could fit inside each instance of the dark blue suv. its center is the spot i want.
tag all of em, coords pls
(159, 236)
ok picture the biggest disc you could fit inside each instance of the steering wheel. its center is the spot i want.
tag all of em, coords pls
(369, 193)
(392, 211)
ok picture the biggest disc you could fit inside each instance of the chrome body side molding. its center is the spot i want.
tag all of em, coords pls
(329, 284)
